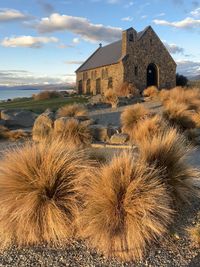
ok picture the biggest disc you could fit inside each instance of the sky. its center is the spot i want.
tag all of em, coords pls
(45, 41)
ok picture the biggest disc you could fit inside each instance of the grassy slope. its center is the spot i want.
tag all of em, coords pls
(39, 106)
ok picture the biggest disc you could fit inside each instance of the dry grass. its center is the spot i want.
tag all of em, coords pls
(168, 151)
(72, 132)
(196, 119)
(42, 128)
(72, 111)
(148, 128)
(194, 234)
(38, 195)
(151, 91)
(46, 95)
(131, 115)
(111, 97)
(126, 90)
(178, 115)
(164, 95)
(14, 135)
(126, 207)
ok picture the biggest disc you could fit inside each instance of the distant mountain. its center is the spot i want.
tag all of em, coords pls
(61, 86)
(194, 78)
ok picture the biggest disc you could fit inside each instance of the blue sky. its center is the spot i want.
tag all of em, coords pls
(44, 41)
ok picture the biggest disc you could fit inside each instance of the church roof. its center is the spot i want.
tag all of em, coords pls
(106, 55)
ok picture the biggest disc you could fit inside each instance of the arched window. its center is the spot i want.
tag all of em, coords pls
(110, 82)
(88, 87)
(131, 37)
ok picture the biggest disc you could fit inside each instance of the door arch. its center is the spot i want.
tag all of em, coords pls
(152, 75)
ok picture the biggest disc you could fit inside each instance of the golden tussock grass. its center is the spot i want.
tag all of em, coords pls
(42, 128)
(126, 207)
(72, 111)
(12, 135)
(111, 97)
(194, 234)
(131, 115)
(147, 128)
(38, 195)
(46, 95)
(178, 115)
(127, 89)
(72, 132)
(168, 151)
(196, 119)
(151, 91)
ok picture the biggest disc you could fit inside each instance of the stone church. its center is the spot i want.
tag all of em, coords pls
(139, 58)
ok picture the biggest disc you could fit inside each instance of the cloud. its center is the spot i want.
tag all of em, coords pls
(196, 12)
(129, 4)
(173, 48)
(160, 14)
(47, 7)
(127, 19)
(7, 15)
(27, 41)
(76, 40)
(187, 23)
(74, 62)
(23, 77)
(80, 26)
(188, 67)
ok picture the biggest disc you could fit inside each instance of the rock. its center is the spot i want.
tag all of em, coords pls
(100, 105)
(88, 122)
(99, 132)
(96, 99)
(2, 122)
(120, 138)
(81, 118)
(195, 132)
(43, 126)
(21, 118)
(197, 140)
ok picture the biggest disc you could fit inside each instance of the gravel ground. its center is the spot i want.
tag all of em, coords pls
(176, 249)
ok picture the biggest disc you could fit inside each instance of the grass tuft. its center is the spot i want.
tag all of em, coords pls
(72, 111)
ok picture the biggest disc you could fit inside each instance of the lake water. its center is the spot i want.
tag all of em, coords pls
(15, 93)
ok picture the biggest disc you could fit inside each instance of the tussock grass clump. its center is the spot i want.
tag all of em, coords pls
(126, 207)
(72, 132)
(127, 89)
(147, 128)
(178, 115)
(168, 151)
(38, 195)
(111, 97)
(131, 115)
(72, 111)
(151, 91)
(164, 95)
(13, 135)
(194, 234)
(46, 95)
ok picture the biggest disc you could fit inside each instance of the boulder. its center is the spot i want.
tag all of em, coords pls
(18, 118)
(96, 99)
(99, 132)
(2, 122)
(43, 126)
(119, 138)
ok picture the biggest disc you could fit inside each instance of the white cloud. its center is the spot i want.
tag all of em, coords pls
(173, 48)
(27, 41)
(188, 67)
(127, 19)
(76, 40)
(160, 14)
(74, 62)
(187, 23)
(196, 12)
(79, 25)
(129, 4)
(7, 15)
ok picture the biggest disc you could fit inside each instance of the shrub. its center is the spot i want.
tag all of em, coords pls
(194, 233)
(126, 207)
(111, 97)
(181, 80)
(147, 128)
(127, 89)
(38, 195)
(46, 95)
(178, 115)
(72, 111)
(73, 132)
(168, 151)
(151, 91)
(131, 115)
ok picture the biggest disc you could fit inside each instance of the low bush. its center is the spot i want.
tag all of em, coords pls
(46, 95)
(168, 151)
(126, 90)
(38, 195)
(72, 111)
(72, 132)
(151, 91)
(126, 207)
(131, 115)
(111, 97)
